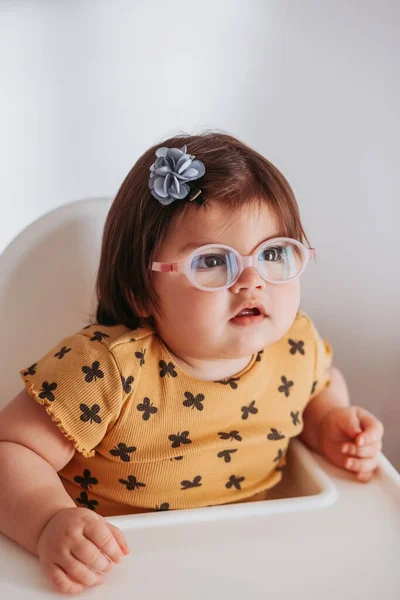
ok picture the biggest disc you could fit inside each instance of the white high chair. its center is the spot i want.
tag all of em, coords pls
(323, 535)
(47, 278)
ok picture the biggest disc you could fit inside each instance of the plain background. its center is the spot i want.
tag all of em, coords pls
(87, 86)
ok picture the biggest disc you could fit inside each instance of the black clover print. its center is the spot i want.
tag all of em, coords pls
(141, 356)
(259, 357)
(194, 402)
(285, 387)
(86, 481)
(31, 370)
(83, 499)
(314, 385)
(132, 483)
(234, 482)
(232, 435)
(98, 336)
(279, 456)
(226, 455)
(61, 353)
(93, 372)
(163, 506)
(295, 417)
(275, 435)
(90, 413)
(231, 381)
(180, 438)
(250, 409)
(47, 390)
(296, 347)
(147, 408)
(123, 451)
(167, 369)
(126, 383)
(186, 484)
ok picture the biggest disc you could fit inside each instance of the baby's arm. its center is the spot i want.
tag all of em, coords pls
(349, 436)
(36, 511)
(32, 450)
(333, 396)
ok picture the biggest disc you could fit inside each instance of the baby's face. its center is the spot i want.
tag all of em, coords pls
(196, 323)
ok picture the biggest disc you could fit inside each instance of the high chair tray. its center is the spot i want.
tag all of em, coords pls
(349, 550)
(304, 486)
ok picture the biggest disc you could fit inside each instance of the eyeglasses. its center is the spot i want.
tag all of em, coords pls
(215, 267)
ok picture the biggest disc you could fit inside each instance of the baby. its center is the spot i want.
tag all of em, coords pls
(198, 371)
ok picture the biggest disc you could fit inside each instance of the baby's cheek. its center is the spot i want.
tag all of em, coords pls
(285, 304)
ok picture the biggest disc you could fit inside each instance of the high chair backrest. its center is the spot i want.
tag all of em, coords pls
(47, 285)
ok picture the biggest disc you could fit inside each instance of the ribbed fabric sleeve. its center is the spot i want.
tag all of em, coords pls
(79, 384)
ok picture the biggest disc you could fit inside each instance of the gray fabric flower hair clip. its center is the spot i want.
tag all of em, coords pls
(171, 173)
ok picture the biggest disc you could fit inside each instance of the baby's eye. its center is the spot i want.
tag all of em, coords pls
(273, 254)
(209, 261)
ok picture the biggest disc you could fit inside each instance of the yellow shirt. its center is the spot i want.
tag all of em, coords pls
(148, 436)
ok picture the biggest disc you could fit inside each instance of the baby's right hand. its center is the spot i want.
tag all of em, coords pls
(73, 545)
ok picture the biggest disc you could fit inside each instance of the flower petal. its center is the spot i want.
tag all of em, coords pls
(159, 187)
(151, 181)
(161, 199)
(196, 164)
(183, 192)
(175, 187)
(175, 153)
(163, 170)
(190, 173)
(161, 151)
(167, 182)
(183, 164)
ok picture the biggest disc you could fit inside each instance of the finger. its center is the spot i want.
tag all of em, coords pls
(119, 536)
(371, 426)
(348, 422)
(362, 451)
(89, 554)
(78, 572)
(365, 477)
(103, 538)
(361, 464)
(60, 579)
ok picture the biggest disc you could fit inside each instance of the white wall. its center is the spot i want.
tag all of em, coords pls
(87, 86)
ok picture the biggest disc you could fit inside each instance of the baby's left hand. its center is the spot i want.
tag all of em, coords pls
(351, 437)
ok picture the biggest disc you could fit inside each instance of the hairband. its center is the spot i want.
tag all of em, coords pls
(171, 174)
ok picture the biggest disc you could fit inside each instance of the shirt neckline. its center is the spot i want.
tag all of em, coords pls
(203, 381)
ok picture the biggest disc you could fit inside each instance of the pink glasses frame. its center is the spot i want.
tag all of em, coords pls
(251, 260)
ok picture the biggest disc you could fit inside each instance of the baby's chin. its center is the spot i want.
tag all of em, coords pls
(246, 345)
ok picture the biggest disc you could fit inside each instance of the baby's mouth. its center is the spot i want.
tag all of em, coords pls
(248, 317)
(248, 312)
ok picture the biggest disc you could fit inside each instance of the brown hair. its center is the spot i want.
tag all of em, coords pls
(137, 223)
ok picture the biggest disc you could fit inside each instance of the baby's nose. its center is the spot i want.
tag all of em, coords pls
(249, 279)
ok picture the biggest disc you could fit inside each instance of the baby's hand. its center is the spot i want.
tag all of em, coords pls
(351, 437)
(77, 547)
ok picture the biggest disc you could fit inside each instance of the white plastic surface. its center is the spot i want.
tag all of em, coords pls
(47, 279)
(347, 551)
(304, 486)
